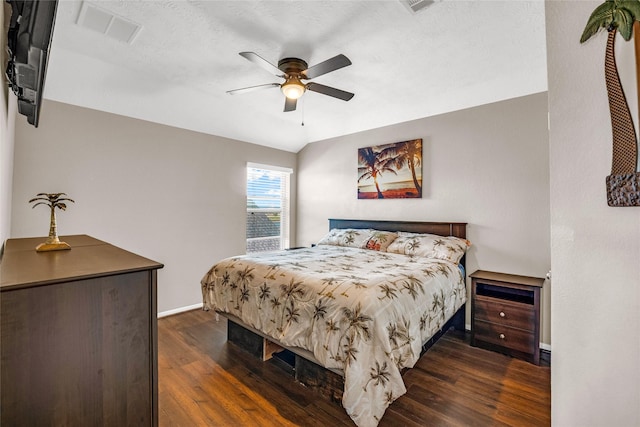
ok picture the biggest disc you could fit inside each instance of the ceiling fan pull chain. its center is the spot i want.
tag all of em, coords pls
(302, 124)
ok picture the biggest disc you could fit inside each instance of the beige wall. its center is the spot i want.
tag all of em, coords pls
(7, 141)
(175, 196)
(487, 166)
(595, 249)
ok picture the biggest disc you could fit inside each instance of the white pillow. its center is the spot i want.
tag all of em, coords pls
(350, 237)
(447, 248)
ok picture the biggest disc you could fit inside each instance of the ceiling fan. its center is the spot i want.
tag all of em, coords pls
(294, 70)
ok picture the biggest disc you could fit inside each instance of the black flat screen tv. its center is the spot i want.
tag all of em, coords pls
(29, 40)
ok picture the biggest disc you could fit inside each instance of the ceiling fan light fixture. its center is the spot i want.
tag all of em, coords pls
(293, 88)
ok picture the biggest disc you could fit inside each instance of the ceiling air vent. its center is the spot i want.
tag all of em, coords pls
(417, 5)
(107, 23)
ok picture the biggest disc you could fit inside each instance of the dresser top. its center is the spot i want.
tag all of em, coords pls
(22, 266)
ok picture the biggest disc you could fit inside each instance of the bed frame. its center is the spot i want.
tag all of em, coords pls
(300, 362)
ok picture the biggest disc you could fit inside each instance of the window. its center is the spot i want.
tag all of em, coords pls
(267, 208)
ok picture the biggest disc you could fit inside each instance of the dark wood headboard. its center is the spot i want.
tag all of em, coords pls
(457, 229)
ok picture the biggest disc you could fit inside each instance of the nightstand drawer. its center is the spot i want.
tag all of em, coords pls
(510, 338)
(505, 313)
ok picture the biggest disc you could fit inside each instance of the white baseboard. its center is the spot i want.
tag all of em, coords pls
(179, 310)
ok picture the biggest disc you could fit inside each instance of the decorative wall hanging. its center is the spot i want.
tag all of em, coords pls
(623, 185)
(390, 171)
(53, 200)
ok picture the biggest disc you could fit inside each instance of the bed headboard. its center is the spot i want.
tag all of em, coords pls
(457, 229)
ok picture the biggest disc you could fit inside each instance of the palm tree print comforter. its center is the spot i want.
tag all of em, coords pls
(361, 311)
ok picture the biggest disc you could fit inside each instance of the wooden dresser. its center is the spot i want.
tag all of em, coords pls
(505, 313)
(79, 335)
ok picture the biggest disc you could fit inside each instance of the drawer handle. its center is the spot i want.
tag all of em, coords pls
(501, 336)
(502, 314)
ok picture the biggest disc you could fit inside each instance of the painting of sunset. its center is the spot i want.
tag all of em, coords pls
(390, 171)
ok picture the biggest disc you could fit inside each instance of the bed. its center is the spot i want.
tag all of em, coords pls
(363, 303)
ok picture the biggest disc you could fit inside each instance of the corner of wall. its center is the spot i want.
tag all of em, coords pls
(7, 138)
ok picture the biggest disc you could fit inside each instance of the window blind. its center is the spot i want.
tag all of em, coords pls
(267, 207)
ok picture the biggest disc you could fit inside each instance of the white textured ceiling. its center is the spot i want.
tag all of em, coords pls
(452, 55)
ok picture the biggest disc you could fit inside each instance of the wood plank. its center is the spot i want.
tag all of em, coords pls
(324, 382)
(205, 381)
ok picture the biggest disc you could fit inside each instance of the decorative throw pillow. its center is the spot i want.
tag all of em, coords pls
(354, 238)
(447, 248)
(380, 240)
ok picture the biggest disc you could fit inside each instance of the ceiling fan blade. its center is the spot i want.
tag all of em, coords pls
(331, 91)
(290, 104)
(252, 88)
(327, 66)
(260, 61)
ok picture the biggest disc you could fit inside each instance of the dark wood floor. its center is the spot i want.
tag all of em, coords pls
(205, 381)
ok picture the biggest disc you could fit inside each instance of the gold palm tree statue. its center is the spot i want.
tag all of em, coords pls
(53, 200)
(618, 16)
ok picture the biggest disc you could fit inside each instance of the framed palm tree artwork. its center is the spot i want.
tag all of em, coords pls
(390, 171)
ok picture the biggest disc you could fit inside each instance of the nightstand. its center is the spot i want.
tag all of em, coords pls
(505, 314)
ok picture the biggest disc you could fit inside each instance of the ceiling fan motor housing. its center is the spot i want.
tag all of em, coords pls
(292, 65)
